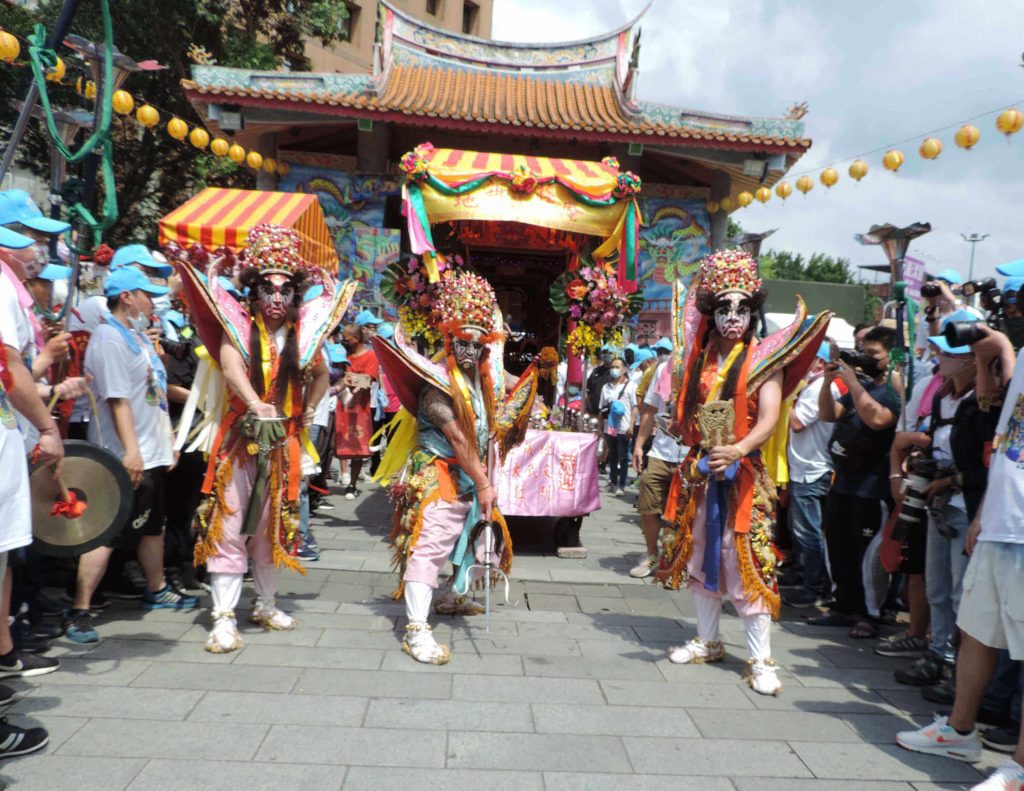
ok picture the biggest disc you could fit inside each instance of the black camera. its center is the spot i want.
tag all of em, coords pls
(858, 360)
(930, 291)
(178, 349)
(921, 470)
(972, 287)
(963, 333)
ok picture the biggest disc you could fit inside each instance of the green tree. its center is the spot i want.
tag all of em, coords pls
(820, 268)
(155, 173)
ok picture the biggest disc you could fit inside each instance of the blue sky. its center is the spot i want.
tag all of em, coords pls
(873, 73)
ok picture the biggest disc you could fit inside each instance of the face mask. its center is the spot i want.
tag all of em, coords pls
(161, 305)
(573, 390)
(140, 322)
(731, 317)
(616, 372)
(951, 366)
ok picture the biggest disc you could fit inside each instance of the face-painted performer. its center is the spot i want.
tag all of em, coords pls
(269, 352)
(453, 410)
(722, 501)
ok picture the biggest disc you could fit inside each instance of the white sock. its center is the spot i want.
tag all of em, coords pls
(226, 589)
(758, 629)
(709, 613)
(417, 601)
(265, 576)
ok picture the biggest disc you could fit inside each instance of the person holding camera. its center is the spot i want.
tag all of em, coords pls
(989, 617)
(939, 301)
(865, 421)
(935, 469)
(1013, 316)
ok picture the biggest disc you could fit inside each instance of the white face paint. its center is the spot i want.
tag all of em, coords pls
(469, 350)
(731, 317)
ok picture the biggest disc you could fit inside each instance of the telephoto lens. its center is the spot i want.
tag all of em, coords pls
(930, 290)
(972, 287)
(963, 333)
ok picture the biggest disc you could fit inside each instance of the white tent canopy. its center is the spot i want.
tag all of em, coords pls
(839, 330)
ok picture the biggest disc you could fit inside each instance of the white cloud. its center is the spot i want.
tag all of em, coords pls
(872, 74)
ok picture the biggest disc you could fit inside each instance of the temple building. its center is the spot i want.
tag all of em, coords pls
(343, 134)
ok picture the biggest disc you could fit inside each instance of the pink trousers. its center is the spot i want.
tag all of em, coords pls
(730, 581)
(234, 548)
(442, 526)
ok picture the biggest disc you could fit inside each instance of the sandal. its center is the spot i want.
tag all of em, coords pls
(830, 618)
(864, 629)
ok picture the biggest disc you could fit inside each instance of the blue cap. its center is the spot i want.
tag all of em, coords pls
(386, 330)
(1012, 268)
(950, 275)
(17, 206)
(607, 348)
(663, 343)
(228, 285)
(139, 254)
(13, 240)
(642, 356)
(632, 347)
(940, 340)
(365, 317)
(128, 278)
(175, 317)
(53, 272)
(1013, 284)
(824, 351)
(336, 353)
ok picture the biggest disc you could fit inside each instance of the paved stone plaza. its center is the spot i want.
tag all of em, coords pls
(570, 690)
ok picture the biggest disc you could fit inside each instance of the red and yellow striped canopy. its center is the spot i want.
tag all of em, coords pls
(222, 217)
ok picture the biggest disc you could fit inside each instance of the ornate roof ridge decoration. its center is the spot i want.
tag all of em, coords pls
(418, 34)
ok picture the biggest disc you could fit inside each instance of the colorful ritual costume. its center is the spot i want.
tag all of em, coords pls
(436, 501)
(720, 542)
(252, 483)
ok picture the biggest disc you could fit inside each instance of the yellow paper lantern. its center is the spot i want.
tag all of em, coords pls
(1010, 122)
(893, 159)
(858, 169)
(122, 102)
(254, 159)
(966, 136)
(269, 165)
(177, 128)
(930, 148)
(713, 207)
(805, 184)
(148, 116)
(10, 47)
(56, 74)
(829, 177)
(283, 168)
(727, 203)
(763, 194)
(219, 147)
(236, 153)
(90, 90)
(745, 199)
(200, 138)
(783, 189)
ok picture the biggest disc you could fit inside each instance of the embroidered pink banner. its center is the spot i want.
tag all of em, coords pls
(553, 473)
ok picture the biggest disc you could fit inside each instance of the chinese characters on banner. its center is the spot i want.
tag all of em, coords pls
(553, 473)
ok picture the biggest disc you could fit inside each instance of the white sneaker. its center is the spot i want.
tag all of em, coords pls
(267, 615)
(620, 491)
(761, 676)
(645, 567)
(697, 652)
(344, 479)
(1008, 777)
(419, 643)
(939, 738)
(448, 603)
(224, 637)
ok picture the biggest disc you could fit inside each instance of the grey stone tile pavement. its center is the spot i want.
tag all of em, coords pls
(570, 690)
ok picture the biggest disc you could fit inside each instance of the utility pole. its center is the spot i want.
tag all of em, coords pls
(973, 240)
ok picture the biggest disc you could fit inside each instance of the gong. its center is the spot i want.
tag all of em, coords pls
(101, 494)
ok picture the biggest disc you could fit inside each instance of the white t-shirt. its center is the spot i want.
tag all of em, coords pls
(322, 414)
(117, 372)
(85, 317)
(809, 458)
(15, 501)
(624, 391)
(664, 447)
(1002, 515)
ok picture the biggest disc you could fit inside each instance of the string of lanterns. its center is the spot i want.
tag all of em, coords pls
(1009, 122)
(149, 116)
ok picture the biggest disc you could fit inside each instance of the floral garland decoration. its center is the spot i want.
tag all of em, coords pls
(592, 297)
(414, 163)
(627, 185)
(407, 285)
(523, 180)
(611, 162)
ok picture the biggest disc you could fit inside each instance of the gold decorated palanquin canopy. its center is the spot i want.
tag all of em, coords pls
(219, 217)
(592, 198)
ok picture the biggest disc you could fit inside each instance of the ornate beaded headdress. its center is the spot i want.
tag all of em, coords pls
(274, 249)
(729, 270)
(465, 301)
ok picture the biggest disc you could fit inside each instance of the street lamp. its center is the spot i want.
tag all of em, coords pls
(972, 240)
(895, 242)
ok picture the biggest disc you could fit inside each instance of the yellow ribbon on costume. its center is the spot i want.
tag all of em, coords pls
(403, 431)
(774, 452)
(723, 369)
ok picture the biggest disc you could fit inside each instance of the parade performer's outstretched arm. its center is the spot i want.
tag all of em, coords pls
(439, 410)
(769, 405)
(237, 377)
